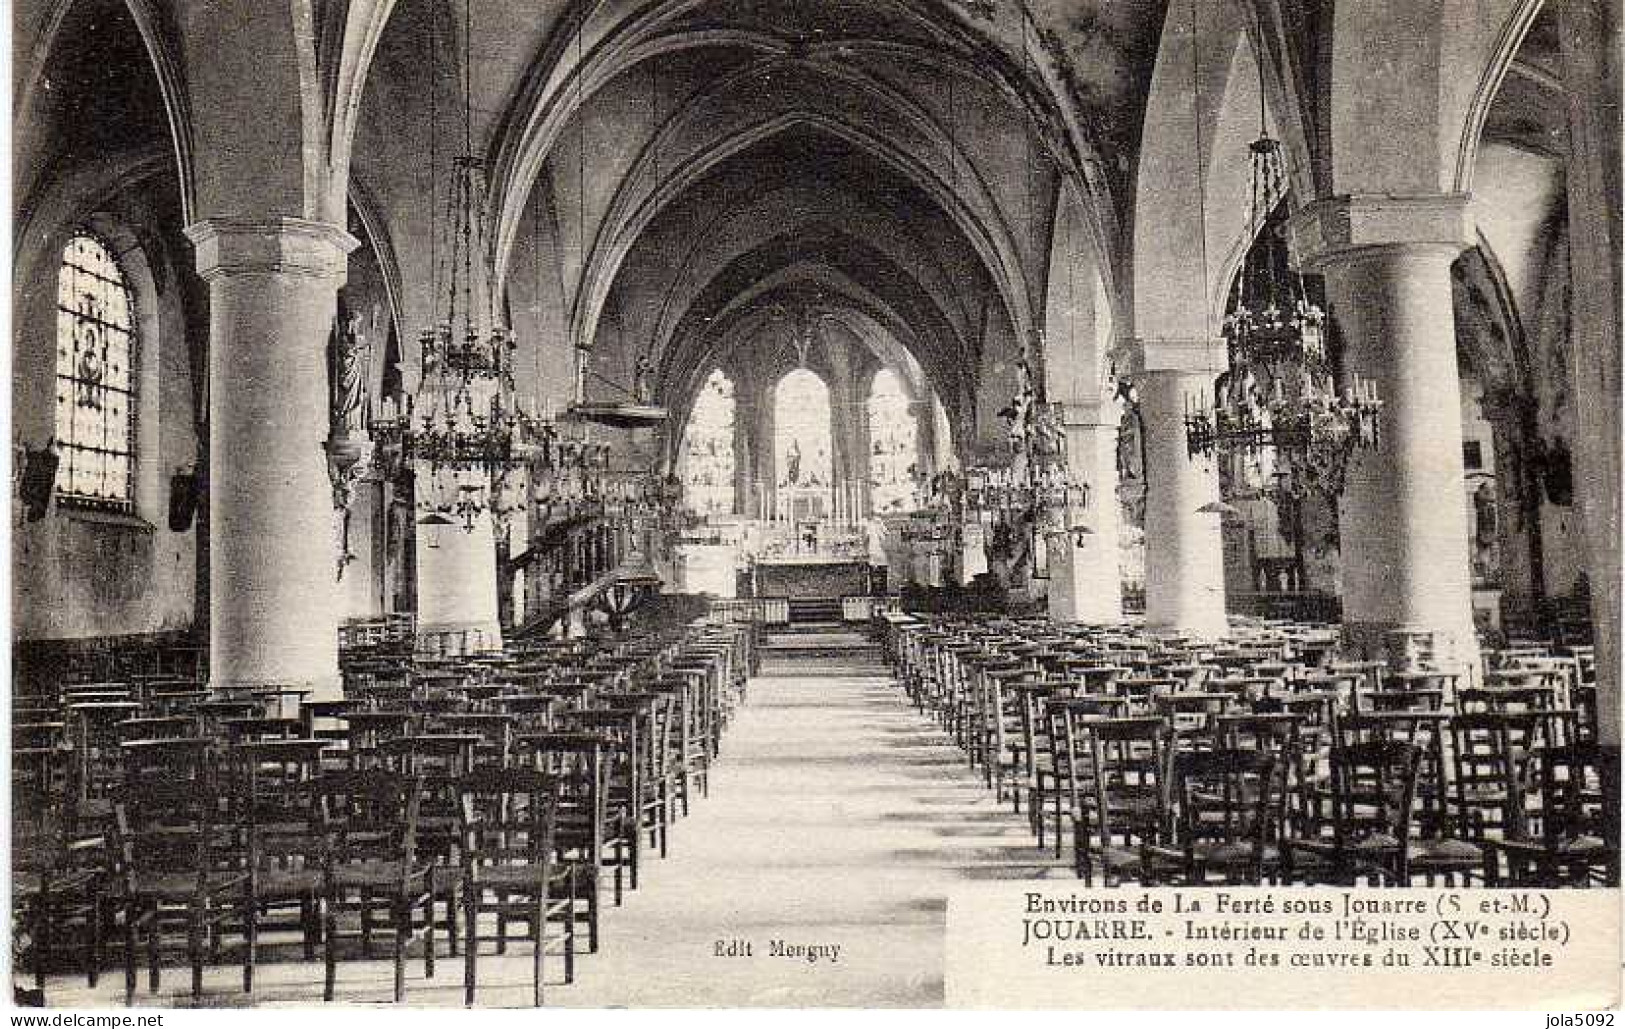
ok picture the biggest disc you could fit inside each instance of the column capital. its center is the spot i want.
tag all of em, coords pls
(291, 246)
(1202, 355)
(1341, 227)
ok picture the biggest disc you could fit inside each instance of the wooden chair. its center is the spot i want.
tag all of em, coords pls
(688, 757)
(369, 824)
(98, 766)
(1373, 788)
(40, 760)
(438, 761)
(1492, 757)
(179, 863)
(1035, 776)
(58, 884)
(628, 804)
(271, 793)
(1126, 810)
(509, 871)
(1576, 843)
(1229, 805)
(575, 762)
(1067, 760)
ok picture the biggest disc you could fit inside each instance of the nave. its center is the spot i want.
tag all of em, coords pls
(416, 402)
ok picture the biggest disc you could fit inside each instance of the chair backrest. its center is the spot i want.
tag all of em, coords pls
(1193, 713)
(179, 759)
(575, 761)
(1130, 760)
(1276, 733)
(368, 814)
(155, 728)
(270, 781)
(1572, 799)
(1229, 795)
(166, 826)
(1373, 786)
(508, 815)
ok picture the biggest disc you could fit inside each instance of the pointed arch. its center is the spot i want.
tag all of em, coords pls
(584, 52)
(841, 103)
(157, 36)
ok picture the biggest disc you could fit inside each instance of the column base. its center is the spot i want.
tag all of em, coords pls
(321, 688)
(1201, 634)
(1402, 646)
(1206, 624)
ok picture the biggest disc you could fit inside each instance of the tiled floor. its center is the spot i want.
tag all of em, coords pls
(838, 818)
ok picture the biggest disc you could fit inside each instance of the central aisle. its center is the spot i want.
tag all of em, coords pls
(838, 816)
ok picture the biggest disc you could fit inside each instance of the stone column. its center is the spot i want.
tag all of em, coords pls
(1085, 583)
(457, 581)
(765, 465)
(273, 603)
(361, 584)
(745, 492)
(1517, 499)
(925, 436)
(1590, 30)
(1184, 552)
(862, 449)
(1402, 521)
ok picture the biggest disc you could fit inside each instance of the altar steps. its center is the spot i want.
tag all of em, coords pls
(819, 649)
(805, 610)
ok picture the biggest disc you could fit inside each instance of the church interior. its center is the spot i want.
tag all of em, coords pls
(760, 464)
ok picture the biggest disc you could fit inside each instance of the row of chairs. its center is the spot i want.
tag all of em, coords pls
(1265, 756)
(608, 739)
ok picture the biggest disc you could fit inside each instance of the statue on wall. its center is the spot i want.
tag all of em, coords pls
(183, 499)
(1018, 413)
(643, 376)
(351, 357)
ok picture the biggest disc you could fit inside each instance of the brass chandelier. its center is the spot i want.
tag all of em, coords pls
(1280, 396)
(463, 431)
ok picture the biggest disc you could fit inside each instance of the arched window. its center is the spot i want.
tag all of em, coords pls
(706, 460)
(95, 378)
(801, 431)
(894, 447)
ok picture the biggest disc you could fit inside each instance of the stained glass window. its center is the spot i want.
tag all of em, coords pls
(802, 431)
(707, 456)
(893, 446)
(95, 378)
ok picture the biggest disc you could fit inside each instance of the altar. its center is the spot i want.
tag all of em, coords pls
(810, 575)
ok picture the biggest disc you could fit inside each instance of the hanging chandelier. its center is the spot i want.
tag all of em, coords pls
(1279, 401)
(1035, 474)
(463, 431)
